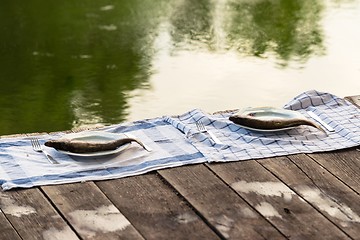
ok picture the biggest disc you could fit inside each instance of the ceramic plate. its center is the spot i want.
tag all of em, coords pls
(95, 136)
(266, 130)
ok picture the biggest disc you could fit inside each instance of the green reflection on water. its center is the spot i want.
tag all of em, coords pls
(70, 63)
(289, 29)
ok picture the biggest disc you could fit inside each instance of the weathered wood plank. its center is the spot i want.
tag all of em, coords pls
(155, 210)
(33, 216)
(89, 212)
(321, 189)
(158, 212)
(230, 215)
(294, 217)
(345, 165)
(354, 99)
(6, 230)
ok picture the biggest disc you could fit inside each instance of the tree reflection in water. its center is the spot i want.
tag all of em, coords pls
(290, 30)
(70, 63)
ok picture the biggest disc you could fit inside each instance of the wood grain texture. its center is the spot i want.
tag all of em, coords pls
(90, 213)
(6, 230)
(321, 189)
(312, 196)
(229, 214)
(344, 164)
(155, 210)
(272, 198)
(33, 216)
(354, 100)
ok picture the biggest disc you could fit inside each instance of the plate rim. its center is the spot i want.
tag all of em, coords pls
(97, 154)
(266, 130)
(248, 110)
(94, 133)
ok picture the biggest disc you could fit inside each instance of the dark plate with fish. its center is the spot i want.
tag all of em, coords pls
(270, 119)
(92, 143)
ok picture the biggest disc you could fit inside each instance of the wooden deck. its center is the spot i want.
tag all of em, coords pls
(305, 196)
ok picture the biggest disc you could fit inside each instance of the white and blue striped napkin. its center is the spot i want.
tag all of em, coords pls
(241, 144)
(20, 166)
(175, 141)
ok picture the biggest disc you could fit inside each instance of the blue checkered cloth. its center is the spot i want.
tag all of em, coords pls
(176, 141)
(239, 143)
(20, 166)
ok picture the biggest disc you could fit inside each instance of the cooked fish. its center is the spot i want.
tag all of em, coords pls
(267, 118)
(79, 146)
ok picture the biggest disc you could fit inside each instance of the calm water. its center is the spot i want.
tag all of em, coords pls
(66, 64)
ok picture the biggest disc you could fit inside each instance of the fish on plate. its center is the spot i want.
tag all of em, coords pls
(270, 118)
(91, 142)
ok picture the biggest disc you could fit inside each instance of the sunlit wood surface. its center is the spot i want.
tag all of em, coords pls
(304, 196)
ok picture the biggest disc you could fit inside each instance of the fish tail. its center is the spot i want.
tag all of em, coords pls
(134, 139)
(315, 125)
(141, 144)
